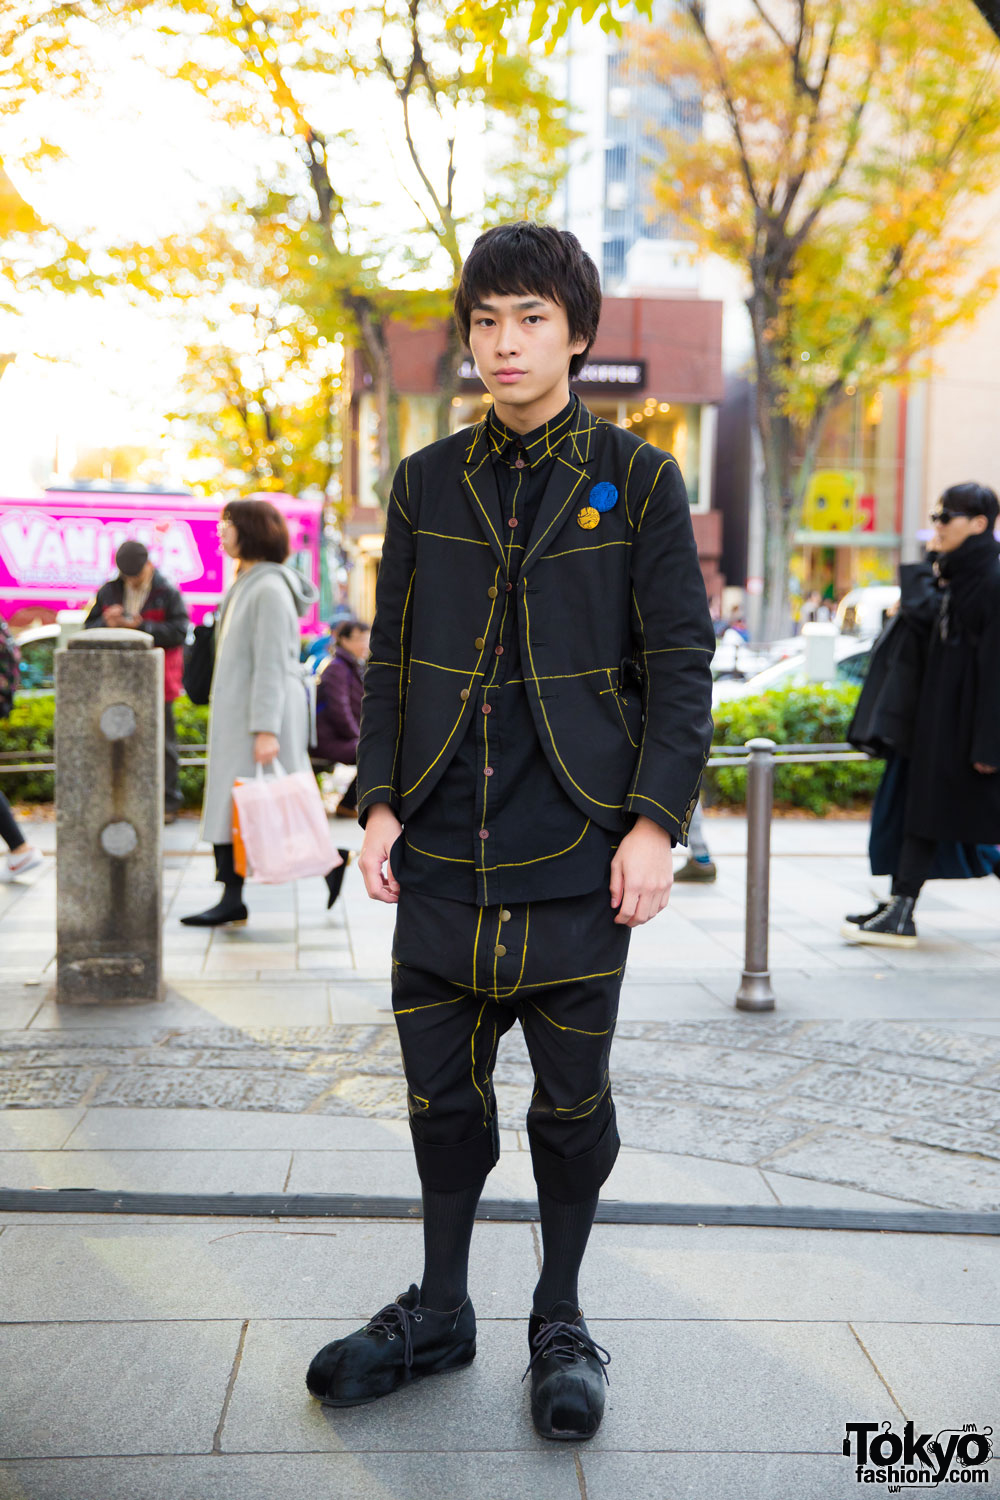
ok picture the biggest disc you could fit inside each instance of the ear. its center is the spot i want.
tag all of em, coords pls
(979, 525)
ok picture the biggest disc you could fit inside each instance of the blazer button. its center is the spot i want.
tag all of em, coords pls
(491, 593)
(500, 950)
(480, 643)
(464, 695)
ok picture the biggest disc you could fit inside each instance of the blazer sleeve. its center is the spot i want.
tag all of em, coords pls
(675, 642)
(269, 658)
(383, 708)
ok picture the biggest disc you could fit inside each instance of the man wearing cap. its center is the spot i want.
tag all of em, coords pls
(140, 598)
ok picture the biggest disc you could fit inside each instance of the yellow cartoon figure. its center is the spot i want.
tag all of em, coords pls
(831, 500)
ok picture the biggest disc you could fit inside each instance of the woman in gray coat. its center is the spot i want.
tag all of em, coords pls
(259, 709)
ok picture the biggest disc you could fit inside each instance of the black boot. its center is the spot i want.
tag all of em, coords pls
(230, 911)
(401, 1343)
(335, 878)
(892, 927)
(567, 1375)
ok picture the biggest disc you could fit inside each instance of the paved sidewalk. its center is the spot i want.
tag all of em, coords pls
(150, 1357)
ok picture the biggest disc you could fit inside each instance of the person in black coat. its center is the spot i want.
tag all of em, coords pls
(535, 724)
(339, 691)
(141, 598)
(932, 706)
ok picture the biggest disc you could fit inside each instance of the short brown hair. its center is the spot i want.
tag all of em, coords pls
(260, 530)
(533, 260)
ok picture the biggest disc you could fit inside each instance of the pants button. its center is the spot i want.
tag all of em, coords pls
(500, 950)
(505, 915)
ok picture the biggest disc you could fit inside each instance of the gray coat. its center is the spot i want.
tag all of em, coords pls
(258, 685)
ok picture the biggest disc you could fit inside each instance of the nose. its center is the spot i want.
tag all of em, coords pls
(508, 340)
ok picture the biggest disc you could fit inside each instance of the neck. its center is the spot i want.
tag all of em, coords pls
(522, 419)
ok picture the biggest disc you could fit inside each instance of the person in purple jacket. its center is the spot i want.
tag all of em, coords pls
(338, 705)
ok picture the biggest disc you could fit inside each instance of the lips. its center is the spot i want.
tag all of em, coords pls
(508, 376)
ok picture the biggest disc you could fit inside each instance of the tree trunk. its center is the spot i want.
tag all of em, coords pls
(373, 331)
(450, 362)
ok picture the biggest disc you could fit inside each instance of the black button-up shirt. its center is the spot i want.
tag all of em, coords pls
(498, 826)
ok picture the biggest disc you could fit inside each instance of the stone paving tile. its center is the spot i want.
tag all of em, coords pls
(717, 1384)
(37, 1129)
(936, 1178)
(941, 1376)
(727, 1476)
(112, 1271)
(233, 1130)
(112, 1388)
(549, 1475)
(807, 1192)
(158, 1171)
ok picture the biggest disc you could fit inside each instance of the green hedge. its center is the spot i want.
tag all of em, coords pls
(794, 716)
(30, 727)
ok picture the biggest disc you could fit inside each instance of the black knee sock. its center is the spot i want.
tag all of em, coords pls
(448, 1224)
(565, 1232)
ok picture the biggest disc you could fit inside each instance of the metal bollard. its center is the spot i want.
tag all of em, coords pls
(109, 818)
(755, 992)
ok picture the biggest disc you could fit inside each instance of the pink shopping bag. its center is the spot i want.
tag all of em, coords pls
(283, 826)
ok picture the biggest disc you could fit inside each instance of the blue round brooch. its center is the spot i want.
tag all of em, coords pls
(603, 496)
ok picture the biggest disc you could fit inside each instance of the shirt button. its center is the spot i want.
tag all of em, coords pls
(480, 643)
(492, 593)
(512, 522)
(487, 709)
(500, 950)
(464, 695)
(508, 588)
(498, 651)
(488, 771)
(505, 915)
(484, 833)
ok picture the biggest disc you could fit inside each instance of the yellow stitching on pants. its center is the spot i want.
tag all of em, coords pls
(472, 1045)
(567, 1109)
(412, 1011)
(576, 1030)
(475, 951)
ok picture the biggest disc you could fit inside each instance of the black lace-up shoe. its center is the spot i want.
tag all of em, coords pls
(892, 927)
(567, 1375)
(401, 1343)
(860, 918)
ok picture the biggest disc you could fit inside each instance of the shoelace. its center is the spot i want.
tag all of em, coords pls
(396, 1319)
(565, 1340)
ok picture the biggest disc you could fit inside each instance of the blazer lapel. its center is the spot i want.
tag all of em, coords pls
(567, 485)
(480, 486)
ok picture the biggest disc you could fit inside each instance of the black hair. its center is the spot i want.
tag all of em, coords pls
(348, 627)
(971, 499)
(533, 260)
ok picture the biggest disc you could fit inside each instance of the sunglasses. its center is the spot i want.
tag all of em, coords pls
(942, 517)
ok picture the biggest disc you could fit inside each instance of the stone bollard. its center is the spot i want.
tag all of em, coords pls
(109, 819)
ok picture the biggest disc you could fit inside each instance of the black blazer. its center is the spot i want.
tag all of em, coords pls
(615, 634)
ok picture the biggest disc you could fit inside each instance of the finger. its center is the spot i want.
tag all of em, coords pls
(617, 886)
(643, 910)
(626, 910)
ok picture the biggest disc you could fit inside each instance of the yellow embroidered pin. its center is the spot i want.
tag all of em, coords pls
(588, 518)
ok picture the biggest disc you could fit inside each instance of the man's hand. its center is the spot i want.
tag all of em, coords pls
(984, 770)
(642, 873)
(265, 748)
(382, 829)
(113, 616)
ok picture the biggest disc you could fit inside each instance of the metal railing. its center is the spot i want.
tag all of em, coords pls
(759, 756)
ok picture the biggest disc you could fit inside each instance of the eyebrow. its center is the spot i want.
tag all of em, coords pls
(518, 306)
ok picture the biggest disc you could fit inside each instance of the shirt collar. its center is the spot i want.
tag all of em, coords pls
(533, 448)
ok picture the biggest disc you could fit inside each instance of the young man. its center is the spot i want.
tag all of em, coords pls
(535, 724)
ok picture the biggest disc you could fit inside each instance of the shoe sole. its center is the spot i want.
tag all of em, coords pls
(567, 1437)
(877, 939)
(339, 1401)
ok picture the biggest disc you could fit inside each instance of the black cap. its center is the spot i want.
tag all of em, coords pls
(131, 558)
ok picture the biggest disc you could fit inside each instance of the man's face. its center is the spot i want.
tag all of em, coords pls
(137, 579)
(952, 528)
(522, 347)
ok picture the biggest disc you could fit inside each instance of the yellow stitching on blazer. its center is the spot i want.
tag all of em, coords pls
(474, 541)
(666, 650)
(596, 547)
(643, 798)
(449, 859)
(649, 497)
(613, 806)
(468, 480)
(628, 731)
(417, 661)
(458, 721)
(402, 656)
(519, 864)
(536, 546)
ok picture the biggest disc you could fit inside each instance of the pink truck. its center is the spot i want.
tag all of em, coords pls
(57, 549)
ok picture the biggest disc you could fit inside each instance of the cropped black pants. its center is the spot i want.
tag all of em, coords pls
(462, 975)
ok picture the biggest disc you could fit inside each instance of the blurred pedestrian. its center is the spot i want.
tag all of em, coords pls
(698, 868)
(339, 690)
(931, 706)
(22, 856)
(141, 598)
(815, 610)
(259, 706)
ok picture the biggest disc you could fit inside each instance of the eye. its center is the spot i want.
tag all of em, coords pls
(534, 318)
(484, 322)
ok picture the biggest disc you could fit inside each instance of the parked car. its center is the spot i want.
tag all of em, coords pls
(851, 663)
(862, 612)
(37, 646)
